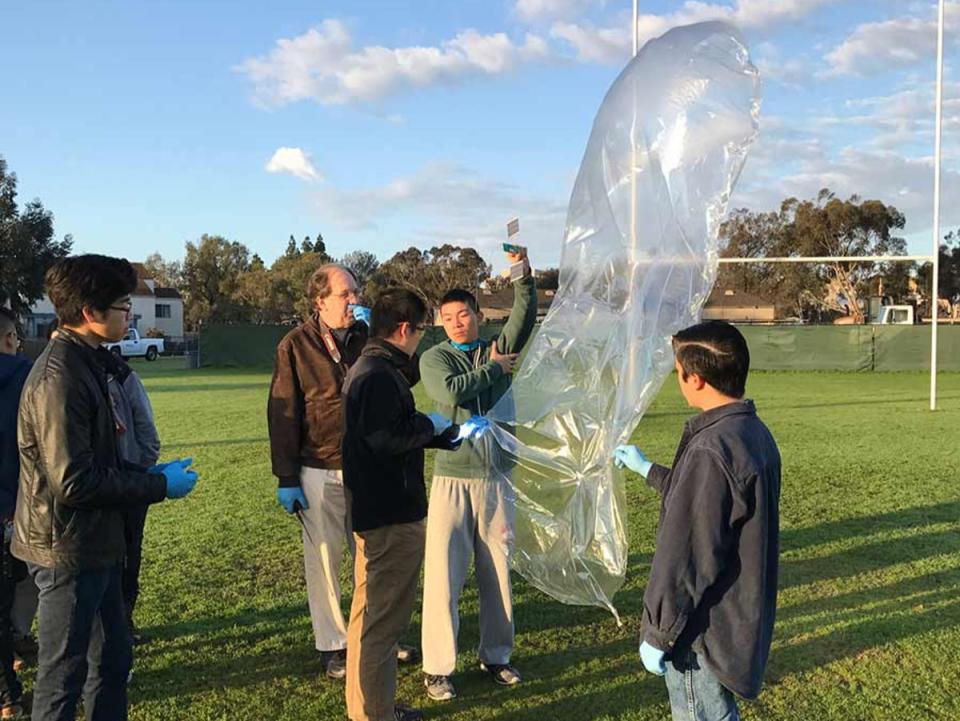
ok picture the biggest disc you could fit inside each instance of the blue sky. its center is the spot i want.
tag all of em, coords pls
(144, 125)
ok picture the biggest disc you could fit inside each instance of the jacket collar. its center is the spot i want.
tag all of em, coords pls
(408, 366)
(708, 418)
(65, 335)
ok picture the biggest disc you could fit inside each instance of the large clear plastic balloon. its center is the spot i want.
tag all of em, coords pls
(639, 259)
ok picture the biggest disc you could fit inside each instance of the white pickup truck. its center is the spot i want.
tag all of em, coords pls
(133, 345)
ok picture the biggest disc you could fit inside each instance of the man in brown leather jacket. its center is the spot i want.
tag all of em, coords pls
(305, 421)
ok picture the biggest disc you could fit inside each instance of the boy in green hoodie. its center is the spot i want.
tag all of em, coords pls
(470, 511)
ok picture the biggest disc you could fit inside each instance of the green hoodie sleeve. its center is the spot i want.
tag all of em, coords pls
(523, 316)
(447, 384)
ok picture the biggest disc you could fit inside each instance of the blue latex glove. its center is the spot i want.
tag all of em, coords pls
(652, 658)
(290, 497)
(633, 458)
(180, 481)
(185, 462)
(440, 424)
(473, 427)
(361, 313)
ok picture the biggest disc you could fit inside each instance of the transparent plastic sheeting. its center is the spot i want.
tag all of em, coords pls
(639, 259)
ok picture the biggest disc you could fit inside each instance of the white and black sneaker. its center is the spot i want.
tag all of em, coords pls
(439, 688)
(334, 664)
(502, 673)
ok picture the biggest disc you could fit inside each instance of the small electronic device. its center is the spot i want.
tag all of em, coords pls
(518, 269)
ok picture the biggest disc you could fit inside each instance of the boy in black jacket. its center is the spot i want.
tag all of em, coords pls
(711, 597)
(383, 441)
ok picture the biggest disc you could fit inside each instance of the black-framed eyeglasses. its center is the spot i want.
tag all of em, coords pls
(125, 308)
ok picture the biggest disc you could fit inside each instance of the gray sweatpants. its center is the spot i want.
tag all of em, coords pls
(467, 518)
(327, 533)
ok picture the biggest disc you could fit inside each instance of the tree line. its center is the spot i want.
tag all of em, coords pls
(222, 281)
(829, 226)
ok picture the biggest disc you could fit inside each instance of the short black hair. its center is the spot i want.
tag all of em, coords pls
(459, 295)
(393, 307)
(94, 281)
(717, 352)
(8, 320)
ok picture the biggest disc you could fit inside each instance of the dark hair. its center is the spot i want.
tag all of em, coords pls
(393, 307)
(318, 287)
(8, 320)
(459, 295)
(94, 281)
(717, 352)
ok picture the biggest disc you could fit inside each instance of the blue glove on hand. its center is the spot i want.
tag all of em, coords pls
(473, 427)
(290, 497)
(440, 424)
(633, 458)
(361, 313)
(185, 462)
(652, 658)
(180, 481)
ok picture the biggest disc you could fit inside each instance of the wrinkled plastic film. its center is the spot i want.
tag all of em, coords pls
(639, 259)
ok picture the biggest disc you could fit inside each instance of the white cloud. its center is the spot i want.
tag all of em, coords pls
(447, 203)
(613, 44)
(323, 66)
(894, 178)
(536, 10)
(293, 161)
(903, 41)
(874, 47)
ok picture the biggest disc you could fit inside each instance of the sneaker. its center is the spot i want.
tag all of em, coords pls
(503, 673)
(439, 688)
(407, 654)
(402, 713)
(334, 664)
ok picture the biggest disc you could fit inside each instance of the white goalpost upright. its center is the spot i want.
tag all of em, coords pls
(934, 259)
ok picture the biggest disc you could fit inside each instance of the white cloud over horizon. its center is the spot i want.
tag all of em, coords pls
(322, 65)
(293, 161)
(449, 203)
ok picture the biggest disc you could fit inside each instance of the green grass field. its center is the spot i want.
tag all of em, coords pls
(869, 615)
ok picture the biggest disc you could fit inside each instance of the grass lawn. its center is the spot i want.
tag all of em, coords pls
(869, 615)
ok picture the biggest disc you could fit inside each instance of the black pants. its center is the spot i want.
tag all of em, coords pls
(134, 520)
(84, 645)
(10, 689)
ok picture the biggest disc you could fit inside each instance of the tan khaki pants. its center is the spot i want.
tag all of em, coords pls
(326, 534)
(467, 518)
(386, 571)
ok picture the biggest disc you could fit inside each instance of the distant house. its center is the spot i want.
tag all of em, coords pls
(153, 308)
(736, 306)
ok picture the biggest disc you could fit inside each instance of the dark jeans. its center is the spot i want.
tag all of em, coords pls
(10, 689)
(133, 523)
(84, 645)
(696, 694)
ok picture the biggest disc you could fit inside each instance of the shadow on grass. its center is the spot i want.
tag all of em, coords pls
(588, 668)
(205, 387)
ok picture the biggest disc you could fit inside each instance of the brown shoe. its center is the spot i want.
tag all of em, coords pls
(407, 654)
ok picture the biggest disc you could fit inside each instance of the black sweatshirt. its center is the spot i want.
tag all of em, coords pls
(384, 437)
(713, 581)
